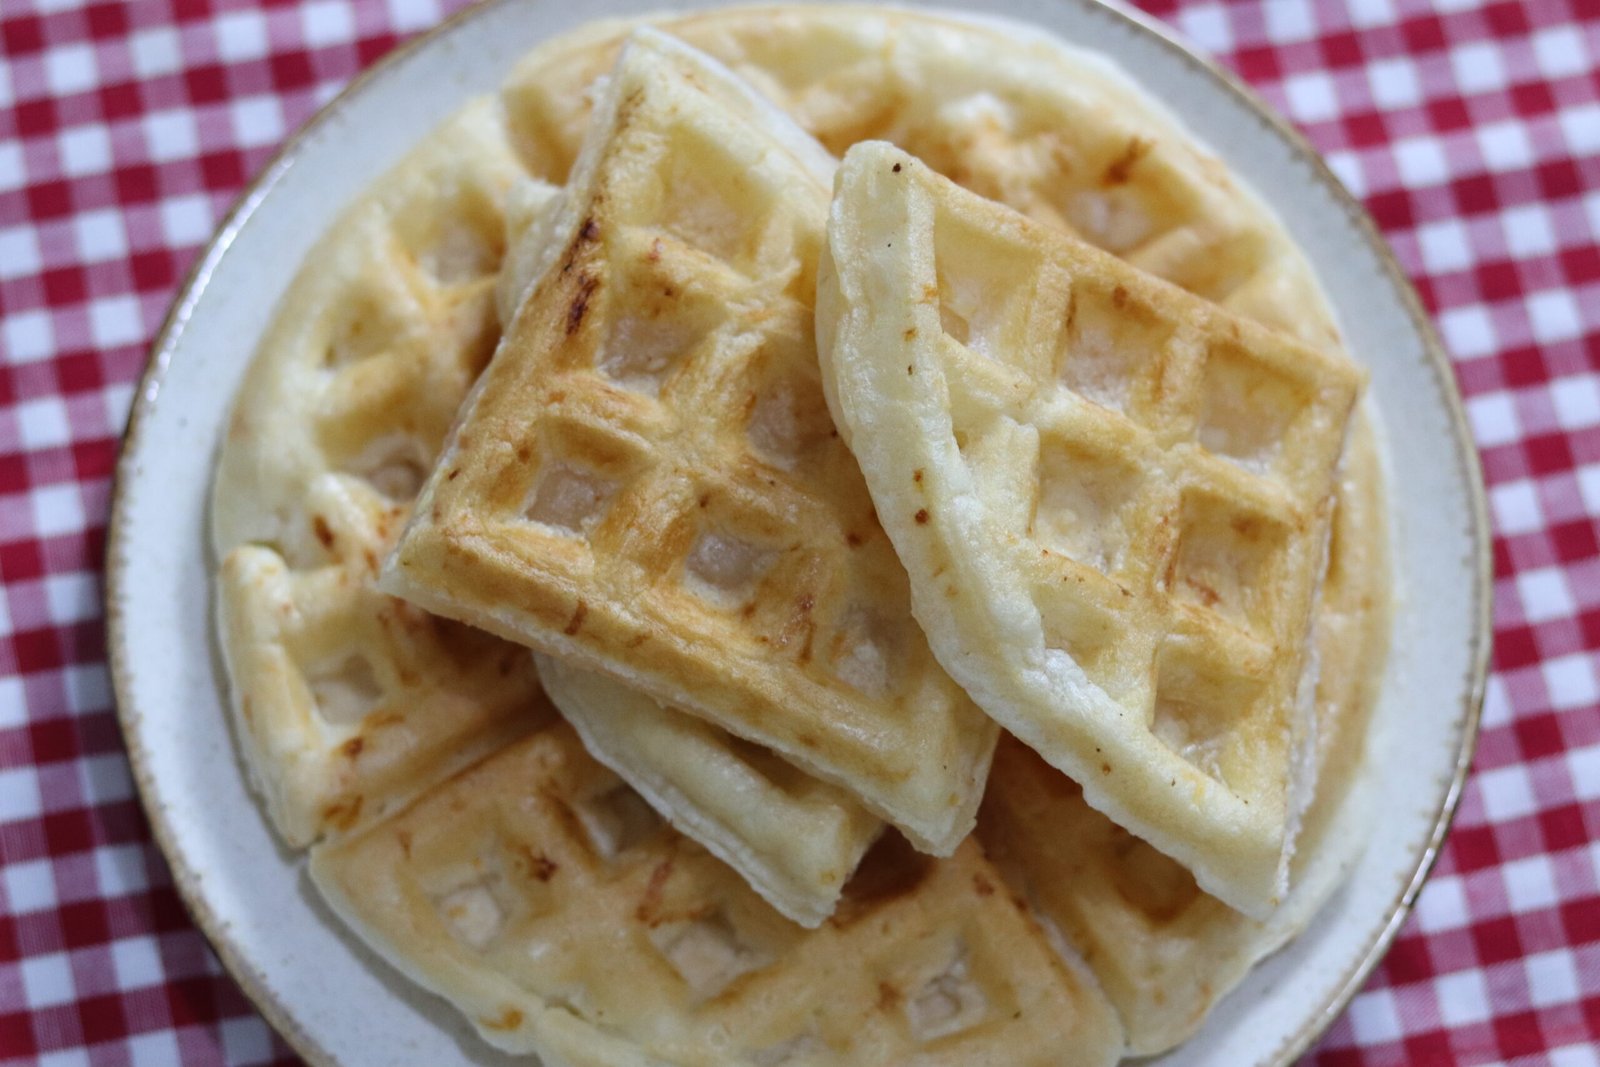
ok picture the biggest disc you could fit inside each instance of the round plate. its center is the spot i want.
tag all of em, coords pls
(336, 1002)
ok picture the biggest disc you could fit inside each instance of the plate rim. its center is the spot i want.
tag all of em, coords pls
(193, 287)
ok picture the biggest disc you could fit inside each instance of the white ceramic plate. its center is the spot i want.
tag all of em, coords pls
(330, 997)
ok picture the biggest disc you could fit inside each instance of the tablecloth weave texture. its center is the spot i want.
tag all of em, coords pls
(1470, 130)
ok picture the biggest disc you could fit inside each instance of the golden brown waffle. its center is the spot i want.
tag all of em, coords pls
(794, 839)
(1001, 108)
(347, 701)
(542, 896)
(646, 481)
(1165, 952)
(1112, 499)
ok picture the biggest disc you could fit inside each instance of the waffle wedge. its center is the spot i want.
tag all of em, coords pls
(545, 899)
(347, 701)
(646, 481)
(1113, 500)
(1164, 951)
(793, 838)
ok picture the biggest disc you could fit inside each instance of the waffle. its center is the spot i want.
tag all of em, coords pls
(1112, 498)
(1164, 951)
(545, 899)
(646, 481)
(347, 701)
(794, 839)
(1014, 114)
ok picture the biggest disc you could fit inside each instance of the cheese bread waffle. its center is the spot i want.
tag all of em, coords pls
(347, 701)
(794, 839)
(1112, 499)
(646, 480)
(1164, 951)
(545, 899)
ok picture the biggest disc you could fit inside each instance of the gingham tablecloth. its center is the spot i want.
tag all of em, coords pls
(1471, 131)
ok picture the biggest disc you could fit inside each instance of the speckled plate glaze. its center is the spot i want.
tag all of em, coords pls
(330, 997)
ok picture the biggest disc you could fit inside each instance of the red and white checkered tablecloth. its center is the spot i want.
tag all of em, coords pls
(1470, 129)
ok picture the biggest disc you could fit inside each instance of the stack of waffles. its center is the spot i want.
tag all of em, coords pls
(808, 535)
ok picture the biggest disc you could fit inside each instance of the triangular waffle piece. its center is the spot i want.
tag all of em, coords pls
(1111, 496)
(646, 481)
(544, 899)
(1165, 952)
(794, 839)
(346, 701)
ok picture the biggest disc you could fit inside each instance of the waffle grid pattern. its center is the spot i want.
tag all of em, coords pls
(1151, 522)
(1471, 130)
(682, 510)
(674, 946)
(1223, 575)
(351, 700)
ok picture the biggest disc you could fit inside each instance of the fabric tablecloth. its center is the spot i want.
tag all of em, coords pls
(1470, 130)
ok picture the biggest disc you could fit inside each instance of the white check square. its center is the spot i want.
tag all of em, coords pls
(29, 886)
(1443, 905)
(1577, 401)
(100, 235)
(19, 252)
(1463, 998)
(1560, 51)
(137, 962)
(1374, 1019)
(1394, 82)
(241, 35)
(1554, 316)
(1494, 419)
(1544, 594)
(85, 150)
(120, 870)
(47, 980)
(58, 509)
(115, 321)
(42, 423)
(1528, 231)
(155, 52)
(327, 22)
(1516, 508)
(69, 69)
(1552, 978)
(1478, 68)
(1530, 883)
(29, 335)
(1507, 793)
